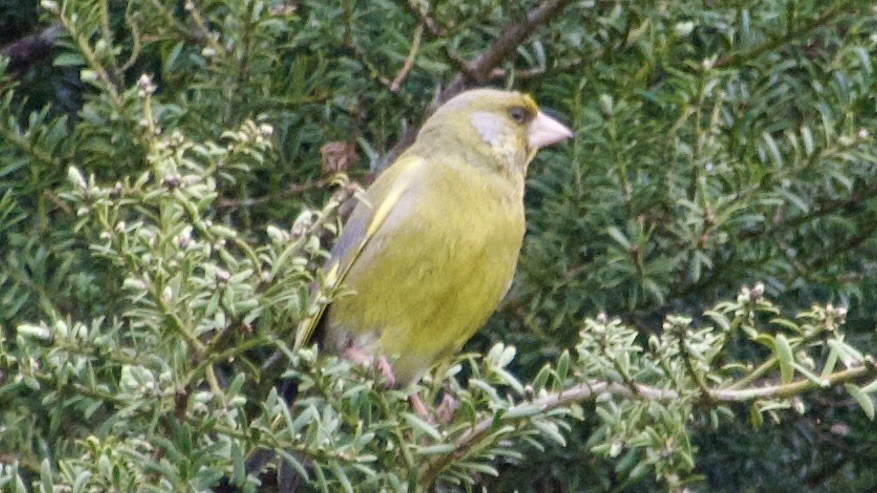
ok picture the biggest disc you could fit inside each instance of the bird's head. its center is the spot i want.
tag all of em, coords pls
(504, 126)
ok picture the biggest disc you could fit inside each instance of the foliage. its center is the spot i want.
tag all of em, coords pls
(695, 291)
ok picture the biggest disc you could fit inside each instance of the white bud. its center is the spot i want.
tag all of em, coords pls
(167, 294)
(683, 28)
(50, 7)
(75, 177)
(757, 292)
(36, 331)
(708, 63)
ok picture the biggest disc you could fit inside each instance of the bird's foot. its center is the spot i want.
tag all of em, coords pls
(382, 364)
(419, 408)
(386, 371)
(443, 414)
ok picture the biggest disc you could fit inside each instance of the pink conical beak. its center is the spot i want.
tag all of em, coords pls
(545, 131)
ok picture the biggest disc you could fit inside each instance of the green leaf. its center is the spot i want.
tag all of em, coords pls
(421, 426)
(523, 410)
(542, 377)
(720, 319)
(863, 398)
(848, 355)
(784, 355)
(810, 375)
(788, 324)
(562, 366)
(807, 137)
(341, 476)
(618, 236)
(756, 419)
(440, 449)
(295, 463)
(830, 363)
(46, 483)
(68, 59)
(773, 150)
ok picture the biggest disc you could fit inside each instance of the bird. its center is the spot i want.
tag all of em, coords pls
(428, 254)
(431, 251)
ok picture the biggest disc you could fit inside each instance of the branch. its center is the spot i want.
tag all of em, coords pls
(591, 389)
(793, 388)
(31, 49)
(409, 60)
(292, 190)
(424, 17)
(479, 70)
(578, 393)
(802, 30)
(512, 35)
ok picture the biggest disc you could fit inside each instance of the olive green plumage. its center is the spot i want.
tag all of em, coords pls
(432, 250)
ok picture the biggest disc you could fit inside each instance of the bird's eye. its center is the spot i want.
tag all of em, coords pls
(518, 114)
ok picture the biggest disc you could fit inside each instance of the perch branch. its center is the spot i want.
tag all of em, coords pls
(591, 389)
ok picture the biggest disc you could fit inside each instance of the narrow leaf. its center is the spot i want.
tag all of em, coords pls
(862, 398)
(784, 356)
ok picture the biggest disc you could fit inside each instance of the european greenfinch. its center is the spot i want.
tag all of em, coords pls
(431, 251)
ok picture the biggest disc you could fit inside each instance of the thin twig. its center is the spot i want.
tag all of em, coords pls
(479, 69)
(512, 35)
(177, 24)
(461, 63)
(754, 374)
(409, 60)
(135, 38)
(682, 340)
(57, 201)
(370, 67)
(203, 28)
(92, 59)
(107, 35)
(793, 388)
(425, 19)
(293, 189)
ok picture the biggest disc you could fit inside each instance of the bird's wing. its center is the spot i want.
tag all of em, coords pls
(364, 223)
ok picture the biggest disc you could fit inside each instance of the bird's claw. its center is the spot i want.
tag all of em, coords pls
(419, 408)
(443, 414)
(382, 364)
(386, 371)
